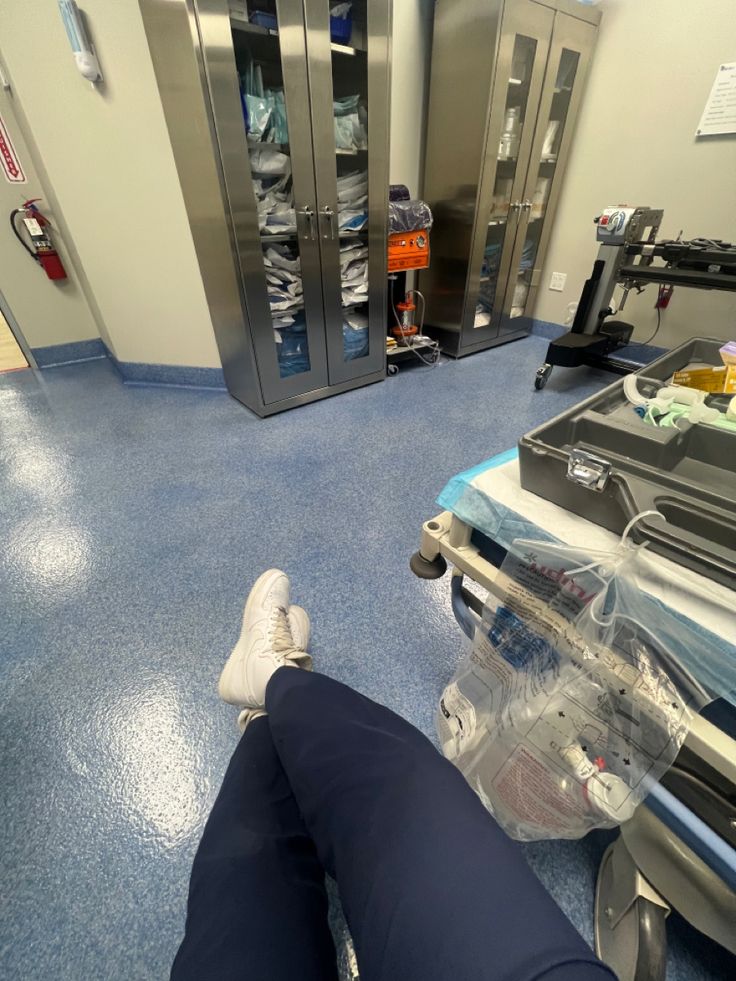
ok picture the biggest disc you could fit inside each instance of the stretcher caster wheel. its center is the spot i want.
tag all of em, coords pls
(427, 568)
(633, 944)
(542, 376)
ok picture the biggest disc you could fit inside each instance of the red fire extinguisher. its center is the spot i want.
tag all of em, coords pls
(37, 228)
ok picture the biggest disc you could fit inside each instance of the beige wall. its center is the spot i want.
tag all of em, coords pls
(411, 43)
(107, 155)
(635, 143)
(108, 158)
(45, 312)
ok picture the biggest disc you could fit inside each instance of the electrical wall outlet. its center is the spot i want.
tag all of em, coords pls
(557, 281)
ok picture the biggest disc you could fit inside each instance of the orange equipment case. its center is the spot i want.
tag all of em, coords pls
(408, 250)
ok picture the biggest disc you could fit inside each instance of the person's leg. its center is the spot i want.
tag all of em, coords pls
(257, 902)
(431, 887)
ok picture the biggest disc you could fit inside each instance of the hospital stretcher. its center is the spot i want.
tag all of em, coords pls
(679, 849)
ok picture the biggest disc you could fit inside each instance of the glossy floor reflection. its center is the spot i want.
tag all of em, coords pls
(134, 521)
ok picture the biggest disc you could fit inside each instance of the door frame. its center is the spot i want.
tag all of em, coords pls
(16, 331)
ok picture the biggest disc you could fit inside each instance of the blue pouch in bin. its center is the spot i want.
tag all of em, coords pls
(355, 342)
(341, 29)
(263, 19)
(293, 352)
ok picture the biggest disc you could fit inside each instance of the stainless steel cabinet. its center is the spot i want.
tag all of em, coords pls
(507, 82)
(279, 125)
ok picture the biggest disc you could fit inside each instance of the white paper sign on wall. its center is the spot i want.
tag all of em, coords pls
(9, 158)
(719, 115)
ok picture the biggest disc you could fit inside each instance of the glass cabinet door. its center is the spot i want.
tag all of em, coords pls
(349, 92)
(521, 61)
(255, 56)
(569, 55)
(504, 209)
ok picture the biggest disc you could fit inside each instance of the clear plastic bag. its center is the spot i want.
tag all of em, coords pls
(409, 216)
(279, 131)
(573, 701)
(264, 109)
(351, 119)
(259, 115)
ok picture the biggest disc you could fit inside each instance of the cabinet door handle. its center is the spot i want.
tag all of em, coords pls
(516, 206)
(307, 214)
(526, 205)
(329, 215)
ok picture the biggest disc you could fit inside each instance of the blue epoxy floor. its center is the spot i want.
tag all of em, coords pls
(134, 521)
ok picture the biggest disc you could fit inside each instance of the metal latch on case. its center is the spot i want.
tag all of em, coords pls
(588, 470)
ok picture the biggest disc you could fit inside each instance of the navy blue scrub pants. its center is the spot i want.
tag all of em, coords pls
(430, 885)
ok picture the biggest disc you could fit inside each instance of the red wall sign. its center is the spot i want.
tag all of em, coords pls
(9, 158)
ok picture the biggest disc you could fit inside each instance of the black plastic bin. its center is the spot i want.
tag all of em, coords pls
(602, 461)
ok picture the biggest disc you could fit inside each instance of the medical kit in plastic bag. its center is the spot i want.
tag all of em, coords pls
(352, 200)
(351, 121)
(264, 109)
(573, 701)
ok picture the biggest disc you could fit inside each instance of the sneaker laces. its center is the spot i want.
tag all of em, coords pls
(282, 640)
(279, 631)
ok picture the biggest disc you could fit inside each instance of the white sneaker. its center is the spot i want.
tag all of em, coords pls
(301, 627)
(300, 631)
(246, 716)
(273, 636)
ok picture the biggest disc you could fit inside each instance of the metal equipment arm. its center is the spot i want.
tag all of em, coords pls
(628, 248)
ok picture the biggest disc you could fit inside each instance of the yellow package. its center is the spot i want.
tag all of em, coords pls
(716, 379)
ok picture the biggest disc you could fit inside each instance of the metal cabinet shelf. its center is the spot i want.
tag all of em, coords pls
(507, 83)
(251, 115)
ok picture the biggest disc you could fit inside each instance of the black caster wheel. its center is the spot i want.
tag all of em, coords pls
(427, 568)
(393, 369)
(636, 948)
(542, 376)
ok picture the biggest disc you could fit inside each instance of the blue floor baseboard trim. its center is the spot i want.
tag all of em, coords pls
(545, 328)
(167, 375)
(170, 375)
(54, 355)
(131, 372)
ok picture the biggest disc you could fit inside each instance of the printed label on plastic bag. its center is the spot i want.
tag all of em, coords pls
(459, 717)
